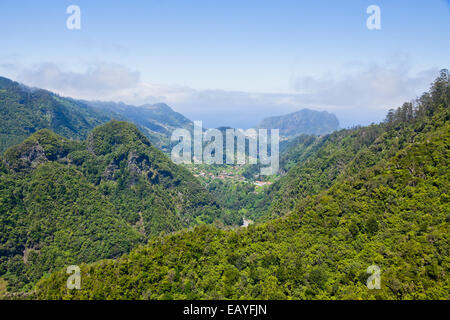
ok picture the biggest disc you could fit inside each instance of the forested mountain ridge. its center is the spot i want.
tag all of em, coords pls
(391, 210)
(25, 110)
(66, 202)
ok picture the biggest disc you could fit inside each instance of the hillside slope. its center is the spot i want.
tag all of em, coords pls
(64, 201)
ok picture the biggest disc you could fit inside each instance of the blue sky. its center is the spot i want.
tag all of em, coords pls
(230, 62)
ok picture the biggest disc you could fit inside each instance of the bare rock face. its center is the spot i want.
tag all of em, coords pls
(134, 167)
(35, 156)
(27, 158)
(108, 174)
(137, 166)
(133, 162)
(90, 144)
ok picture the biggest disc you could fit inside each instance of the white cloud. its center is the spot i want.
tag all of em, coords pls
(99, 79)
(371, 86)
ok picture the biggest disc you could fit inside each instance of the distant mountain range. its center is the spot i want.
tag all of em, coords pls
(157, 121)
(25, 110)
(304, 121)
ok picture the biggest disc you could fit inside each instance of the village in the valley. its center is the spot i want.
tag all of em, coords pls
(230, 173)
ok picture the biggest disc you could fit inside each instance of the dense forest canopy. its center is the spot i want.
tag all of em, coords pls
(64, 201)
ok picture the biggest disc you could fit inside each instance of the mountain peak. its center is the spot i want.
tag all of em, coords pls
(105, 138)
(304, 121)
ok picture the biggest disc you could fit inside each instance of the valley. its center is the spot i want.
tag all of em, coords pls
(79, 185)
